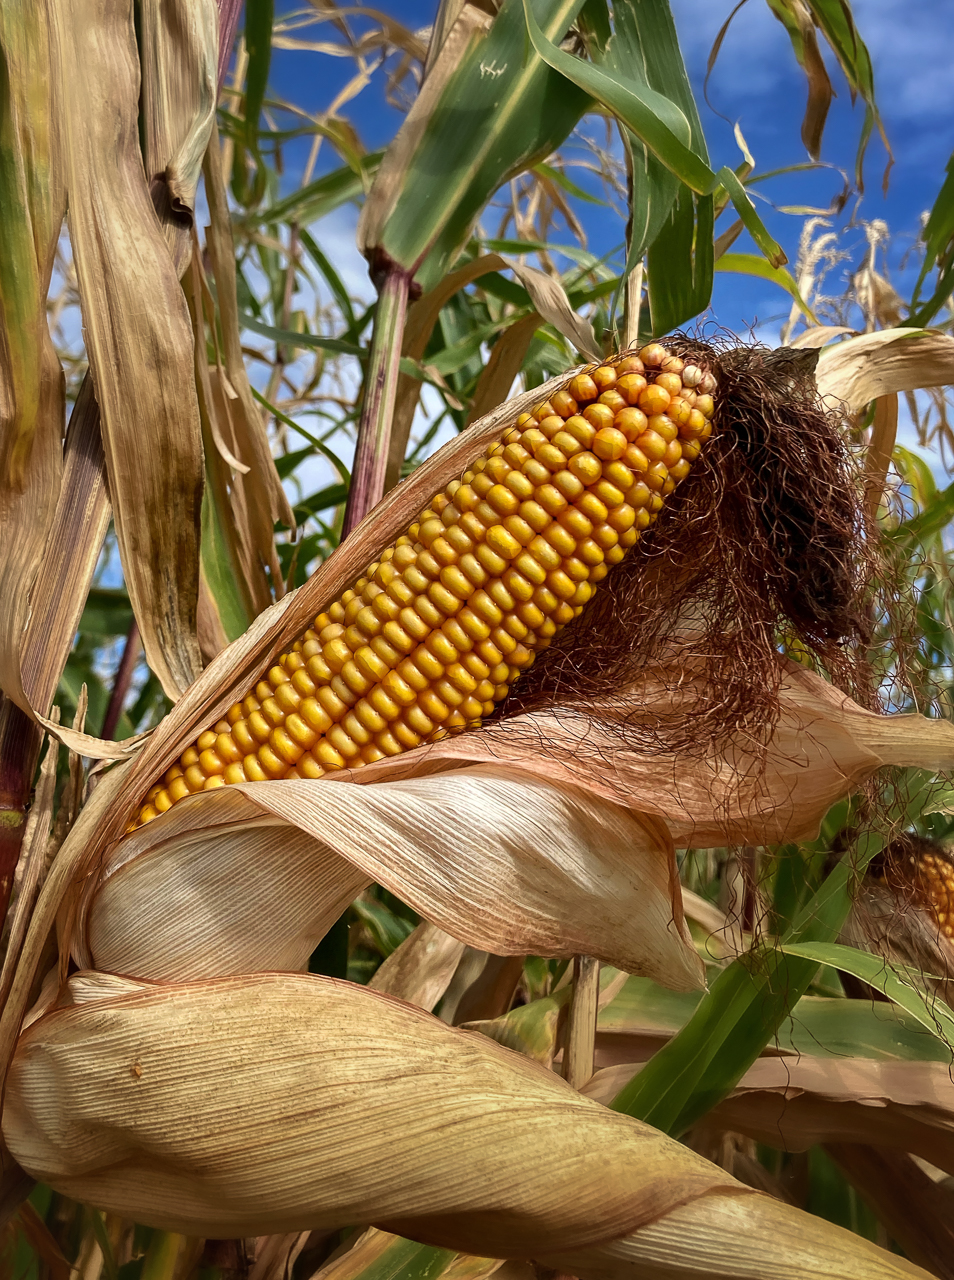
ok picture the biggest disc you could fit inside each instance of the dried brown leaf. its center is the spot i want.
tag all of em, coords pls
(506, 361)
(420, 969)
(140, 355)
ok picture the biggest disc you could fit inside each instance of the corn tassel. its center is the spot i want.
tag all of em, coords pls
(435, 632)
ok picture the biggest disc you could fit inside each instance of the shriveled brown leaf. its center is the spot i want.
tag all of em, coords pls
(32, 207)
(506, 360)
(420, 969)
(140, 355)
(179, 53)
(265, 501)
(797, 1102)
(32, 867)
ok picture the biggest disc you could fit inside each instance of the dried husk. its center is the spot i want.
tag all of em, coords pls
(523, 867)
(824, 746)
(872, 365)
(240, 1106)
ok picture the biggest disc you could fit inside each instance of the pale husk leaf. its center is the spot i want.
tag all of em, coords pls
(140, 355)
(824, 746)
(724, 1237)
(240, 1107)
(507, 865)
(241, 894)
(872, 365)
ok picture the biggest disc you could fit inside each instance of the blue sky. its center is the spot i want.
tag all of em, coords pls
(756, 83)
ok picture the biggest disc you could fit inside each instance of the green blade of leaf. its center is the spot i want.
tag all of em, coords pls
(501, 111)
(753, 223)
(932, 1014)
(749, 264)
(738, 1016)
(307, 341)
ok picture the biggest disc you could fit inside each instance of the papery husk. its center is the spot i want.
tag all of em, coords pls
(824, 747)
(728, 1238)
(862, 369)
(240, 1106)
(508, 865)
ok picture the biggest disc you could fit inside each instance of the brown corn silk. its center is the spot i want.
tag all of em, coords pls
(483, 607)
(434, 634)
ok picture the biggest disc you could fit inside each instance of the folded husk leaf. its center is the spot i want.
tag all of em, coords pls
(522, 867)
(240, 1106)
(824, 746)
(862, 369)
(725, 1237)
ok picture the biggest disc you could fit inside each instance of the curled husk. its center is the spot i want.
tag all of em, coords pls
(240, 1106)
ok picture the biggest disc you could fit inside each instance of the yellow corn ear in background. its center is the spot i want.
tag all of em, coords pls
(436, 632)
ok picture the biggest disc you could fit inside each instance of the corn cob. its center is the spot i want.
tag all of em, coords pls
(923, 871)
(936, 886)
(435, 633)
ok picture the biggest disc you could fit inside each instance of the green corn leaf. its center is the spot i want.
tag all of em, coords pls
(502, 111)
(897, 982)
(738, 1016)
(306, 341)
(939, 252)
(659, 123)
(819, 1026)
(680, 263)
(320, 197)
(749, 264)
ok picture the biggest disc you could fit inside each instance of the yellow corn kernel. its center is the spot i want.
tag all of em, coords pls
(434, 633)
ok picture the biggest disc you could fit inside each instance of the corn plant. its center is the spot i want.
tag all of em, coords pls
(536, 864)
